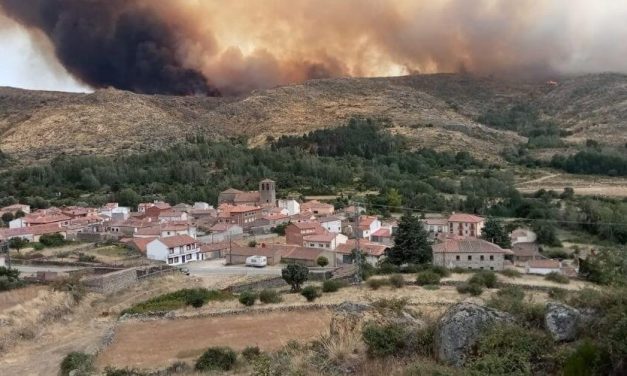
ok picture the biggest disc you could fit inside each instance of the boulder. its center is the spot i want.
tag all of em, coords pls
(351, 317)
(562, 321)
(459, 328)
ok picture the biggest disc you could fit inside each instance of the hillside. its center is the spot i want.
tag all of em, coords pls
(437, 111)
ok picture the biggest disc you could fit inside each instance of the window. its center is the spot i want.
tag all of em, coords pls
(169, 261)
(189, 257)
(481, 257)
(491, 257)
(176, 260)
(457, 257)
(481, 268)
(469, 258)
(171, 250)
(491, 267)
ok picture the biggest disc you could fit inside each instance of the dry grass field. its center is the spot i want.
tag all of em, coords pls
(582, 184)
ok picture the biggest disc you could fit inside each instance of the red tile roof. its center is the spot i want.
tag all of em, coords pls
(326, 237)
(31, 230)
(177, 241)
(466, 218)
(302, 253)
(525, 249)
(383, 233)
(544, 264)
(468, 246)
(140, 243)
(369, 248)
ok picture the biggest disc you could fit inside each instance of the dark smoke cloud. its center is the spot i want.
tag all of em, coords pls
(118, 43)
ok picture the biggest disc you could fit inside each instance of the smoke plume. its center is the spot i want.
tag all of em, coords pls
(230, 47)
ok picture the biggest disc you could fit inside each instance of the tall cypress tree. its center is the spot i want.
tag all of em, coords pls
(494, 232)
(411, 245)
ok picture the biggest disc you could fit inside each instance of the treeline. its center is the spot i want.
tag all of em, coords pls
(593, 161)
(361, 138)
(525, 120)
(198, 170)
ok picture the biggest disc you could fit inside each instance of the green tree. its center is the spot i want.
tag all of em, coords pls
(394, 199)
(18, 244)
(411, 245)
(295, 275)
(7, 217)
(494, 232)
(128, 197)
(19, 214)
(546, 233)
(322, 261)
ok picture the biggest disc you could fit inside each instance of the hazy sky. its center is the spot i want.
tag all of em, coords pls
(246, 44)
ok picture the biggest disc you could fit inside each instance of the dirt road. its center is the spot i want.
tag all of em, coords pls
(154, 344)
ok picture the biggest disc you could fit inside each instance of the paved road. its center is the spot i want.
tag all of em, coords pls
(204, 268)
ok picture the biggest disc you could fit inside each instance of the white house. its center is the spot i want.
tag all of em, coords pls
(292, 206)
(174, 250)
(329, 241)
(172, 216)
(523, 235)
(331, 224)
(543, 266)
(368, 225)
(202, 206)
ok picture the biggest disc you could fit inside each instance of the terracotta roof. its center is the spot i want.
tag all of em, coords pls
(214, 247)
(31, 230)
(170, 213)
(302, 253)
(221, 227)
(544, 264)
(369, 248)
(247, 197)
(525, 249)
(46, 218)
(382, 232)
(366, 220)
(436, 221)
(267, 181)
(232, 190)
(177, 241)
(227, 209)
(256, 251)
(140, 243)
(461, 217)
(327, 237)
(468, 246)
(306, 225)
(152, 230)
(275, 216)
(315, 204)
(329, 218)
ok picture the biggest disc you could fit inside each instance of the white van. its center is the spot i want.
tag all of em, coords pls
(257, 261)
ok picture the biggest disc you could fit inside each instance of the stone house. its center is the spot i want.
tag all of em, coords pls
(465, 225)
(524, 252)
(469, 253)
(296, 231)
(317, 208)
(241, 215)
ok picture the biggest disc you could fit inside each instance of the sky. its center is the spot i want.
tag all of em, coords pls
(242, 45)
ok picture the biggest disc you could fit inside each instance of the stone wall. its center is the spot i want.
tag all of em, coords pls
(111, 282)
(276, 282)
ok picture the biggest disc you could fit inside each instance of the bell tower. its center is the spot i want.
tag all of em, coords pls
(267, 192)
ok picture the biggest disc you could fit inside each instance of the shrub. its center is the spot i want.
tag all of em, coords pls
(421, 341)
(427, 277)
(311, 293)
(470, 288)
(251, 352)
(431, 287)
(332, 285)
(511, 273)
(86, 258)
(393, 304)
(177, 300)
(52, 240)
(71, 285)
(195, 298)
(295, 275)
(79, 361)
(269, 296)
(511, 292)
(216, 358)
(383, 340)
(252, 244)
(411, 268)
(38, 246)
(484, 278)
(442, 271)
(511, 350)
(387, 268)
(376, 283)
(459, 270)
(247, 298)
(322, 261)
(397, 281)
(557, 278)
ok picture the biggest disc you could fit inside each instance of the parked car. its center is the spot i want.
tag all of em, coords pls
(257, 261)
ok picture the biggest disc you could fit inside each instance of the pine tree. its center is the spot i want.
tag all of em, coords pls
(410, 243)
(494, 232)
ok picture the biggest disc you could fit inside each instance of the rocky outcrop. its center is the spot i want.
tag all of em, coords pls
(562, 321)
(459, 328)
(350, 318)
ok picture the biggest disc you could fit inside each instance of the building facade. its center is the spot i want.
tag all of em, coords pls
(469, 254)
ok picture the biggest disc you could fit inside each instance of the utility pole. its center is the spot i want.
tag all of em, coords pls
(357, 240)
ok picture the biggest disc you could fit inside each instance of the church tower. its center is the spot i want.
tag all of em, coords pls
(267, 192)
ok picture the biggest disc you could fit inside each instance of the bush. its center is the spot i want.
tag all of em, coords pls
(393, 304)
(511, 292)
(557, 278)
(251, 352)
(295, 275)
(322, 261)
(269, 296)
(421, 341)
(397, 281)
(79, 361)
(411, 269)
(511, 350)
(442, 271)
(247, 298)
(176, 300)
(511, 300)
(427, 277)
(38, 246)
(511, 273)
(333, 285)
(431, 287)
(376, 283)
(52, 240)
(71, 285)
(383, 340)
(470, 288)
(311, 293)
(86, 258)
(216, 359)
(484, 278)
(459, 270)
(387, 268)
(195, 298)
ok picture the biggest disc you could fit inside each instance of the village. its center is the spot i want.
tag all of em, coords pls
(249, 224)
